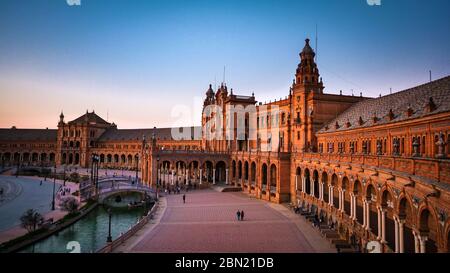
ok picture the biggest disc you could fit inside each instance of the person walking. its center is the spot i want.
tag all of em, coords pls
(238, 214)
(184, 198)
(242, 215)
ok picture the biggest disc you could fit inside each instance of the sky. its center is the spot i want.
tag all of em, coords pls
(144, 63)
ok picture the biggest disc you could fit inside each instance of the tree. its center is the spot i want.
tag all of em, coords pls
(70, 204)
(30, 219)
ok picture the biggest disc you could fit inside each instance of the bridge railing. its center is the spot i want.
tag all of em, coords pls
(128, 234)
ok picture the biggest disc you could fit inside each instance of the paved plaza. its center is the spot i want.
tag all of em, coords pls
(207, 223)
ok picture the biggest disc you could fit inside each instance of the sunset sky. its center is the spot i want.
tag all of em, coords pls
(141, 60)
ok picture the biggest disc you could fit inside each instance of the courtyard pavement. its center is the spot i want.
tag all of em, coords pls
(207, 223)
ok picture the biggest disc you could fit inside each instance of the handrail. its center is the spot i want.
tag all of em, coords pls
(109, 247)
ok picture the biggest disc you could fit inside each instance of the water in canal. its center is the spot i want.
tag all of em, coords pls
(91, 231)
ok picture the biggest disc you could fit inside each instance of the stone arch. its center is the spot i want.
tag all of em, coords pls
(130, 159)
(307, 181)
(233, 169)
(387, 203)
(405, 214)
(102, 158)
(239, 171)
(253, 173)
(70, 158)
(44, 157)
(334, 182)
(52, 157)
(116, 158)
(273, 177)
(246, 171)
(316, 183)
(109, 158)
(428, 226)
(345, 186)
(77, 159)
(123, 159)
(371, 197)
(324, 179)
(221, 171)
(264, 176)
(298, 177)
(64, 158)
(358, 192)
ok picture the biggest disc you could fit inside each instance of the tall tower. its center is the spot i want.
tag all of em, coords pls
(307, 83)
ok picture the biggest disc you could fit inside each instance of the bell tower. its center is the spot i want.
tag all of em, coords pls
(306, 85)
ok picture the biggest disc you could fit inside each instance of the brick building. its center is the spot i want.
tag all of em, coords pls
(378, 168)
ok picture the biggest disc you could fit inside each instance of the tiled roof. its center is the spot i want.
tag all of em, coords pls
(394, 108)
(114, 134)
(28, 134)
(90, 118)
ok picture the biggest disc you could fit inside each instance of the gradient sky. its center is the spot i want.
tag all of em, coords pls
(136, 60)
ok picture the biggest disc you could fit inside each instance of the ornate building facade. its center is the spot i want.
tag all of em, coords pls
(378, 168)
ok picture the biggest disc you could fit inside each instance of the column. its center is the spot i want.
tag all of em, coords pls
(296, 183)
(351, 205)
(383, 225)
(364, 213)
(368, 215)
(341, 201)
(397, 250)
(321, 192)
(200, 176)
(187, 176)
(416, 242)
(214, 176)
(303, 184)
(226, 176)
(354, 207)
(173, 177)
(379, 223)
(423, 240)
(401, 231)
(330, 195)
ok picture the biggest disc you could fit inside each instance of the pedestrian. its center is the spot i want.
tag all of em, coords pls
(40, 184)
(184, 198)
(242, 215)
(238, 214)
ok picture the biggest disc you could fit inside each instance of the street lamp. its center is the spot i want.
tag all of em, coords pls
(64, 183)
(109, 239)
(54, 185)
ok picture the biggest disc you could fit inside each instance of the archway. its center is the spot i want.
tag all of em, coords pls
(239, 171)
(64, 158)
(77, 158)
(316, 183)
(264, 177)
(346, 195)
(387, 203)
(325, 186)
(298, 177)
(428, 227)
(221, 172)
(70, 159)
(233, 170)
(273, 178)
(334, 183)
(307, 182)
(405, 214)
(246, 171)
(357, 191)
(371, 197)
(253, 173)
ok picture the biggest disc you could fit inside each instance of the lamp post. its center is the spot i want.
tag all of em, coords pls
(54, 185)
(109, 239)
(64, 183)
(157, 176)
(94, 172)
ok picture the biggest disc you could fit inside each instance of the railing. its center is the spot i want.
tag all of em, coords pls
(431, 168)
(128, 234)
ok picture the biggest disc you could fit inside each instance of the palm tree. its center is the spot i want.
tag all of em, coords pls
(30, 219)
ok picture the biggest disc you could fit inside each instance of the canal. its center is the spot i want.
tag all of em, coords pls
(90, 232)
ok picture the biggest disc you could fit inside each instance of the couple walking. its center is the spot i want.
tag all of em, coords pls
(240, 215)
